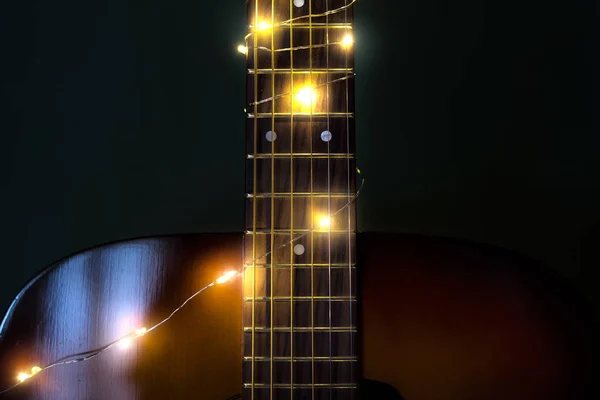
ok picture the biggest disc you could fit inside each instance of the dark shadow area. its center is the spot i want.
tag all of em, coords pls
(444, 318)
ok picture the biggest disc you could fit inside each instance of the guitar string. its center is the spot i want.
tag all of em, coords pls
(292, 282)
(329, 200)
(312, 238)
(351, 317)
(88, 355)
(271, 274)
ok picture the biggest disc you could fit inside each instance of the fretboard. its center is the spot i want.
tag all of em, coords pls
(299, 249)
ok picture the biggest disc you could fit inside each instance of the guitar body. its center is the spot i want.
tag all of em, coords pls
(438, 319)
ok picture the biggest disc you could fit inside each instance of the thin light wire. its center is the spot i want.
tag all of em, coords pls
(352, 199)
(316, 46)
(88, 355)
(289, 21)
(268, 99)
(85, 356)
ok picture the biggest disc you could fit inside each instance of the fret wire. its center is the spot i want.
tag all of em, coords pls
(301, 359)
(316, 115)
(334, 329)
(316, 265)
(286, 231)
(314, 25)
(296, 194)
(304, 385)
(285, 71)
(338, 299)
(299, 155)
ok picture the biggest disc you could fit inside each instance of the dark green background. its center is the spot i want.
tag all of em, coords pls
(123, 119)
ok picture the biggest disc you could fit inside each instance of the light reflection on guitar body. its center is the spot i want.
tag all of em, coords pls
(439, 319)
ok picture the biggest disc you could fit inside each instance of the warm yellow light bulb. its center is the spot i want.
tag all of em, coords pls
(263, 25)
(347, 41)
(307, 96)
(125, 342)
(228, 275)
(140, 331)
(242, 49)
(23, 376)
(325, 222)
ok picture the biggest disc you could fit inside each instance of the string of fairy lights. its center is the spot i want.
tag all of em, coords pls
(126, 340)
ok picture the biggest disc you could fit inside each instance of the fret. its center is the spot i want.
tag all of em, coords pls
(299, 135)
(315, 115)
(286, 232)
(283, 10)
(346, 196)
(298, 314)
(296, 358)
(278, 86)
(338, 329)
(309, 284)
(294, 393)
(274, 215)
(328, 174)
(321, 57)
(300, 298)
(316, 247)
(306, 25)
(304, 386)
(316, 266)
(288, 71)
(301, 155)
(302, 373)
(281, 339)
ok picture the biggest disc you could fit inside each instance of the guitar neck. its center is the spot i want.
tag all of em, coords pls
(300, 278)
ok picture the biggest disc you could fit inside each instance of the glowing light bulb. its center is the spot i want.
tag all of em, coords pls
(242, 49)
(125, 342)
(324, 222)
(306, 96)
(263, 26)
(140, 332)
(23, 376)
(228, 275)
(347, 41)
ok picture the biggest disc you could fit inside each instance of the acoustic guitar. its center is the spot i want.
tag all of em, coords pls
(299, 305)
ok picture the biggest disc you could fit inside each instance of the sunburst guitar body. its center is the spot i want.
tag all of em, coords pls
(437, 319)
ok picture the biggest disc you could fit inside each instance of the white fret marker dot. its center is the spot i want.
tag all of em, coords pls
(298, 3)
(299, 249)
(326, 136)
(271, 136)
